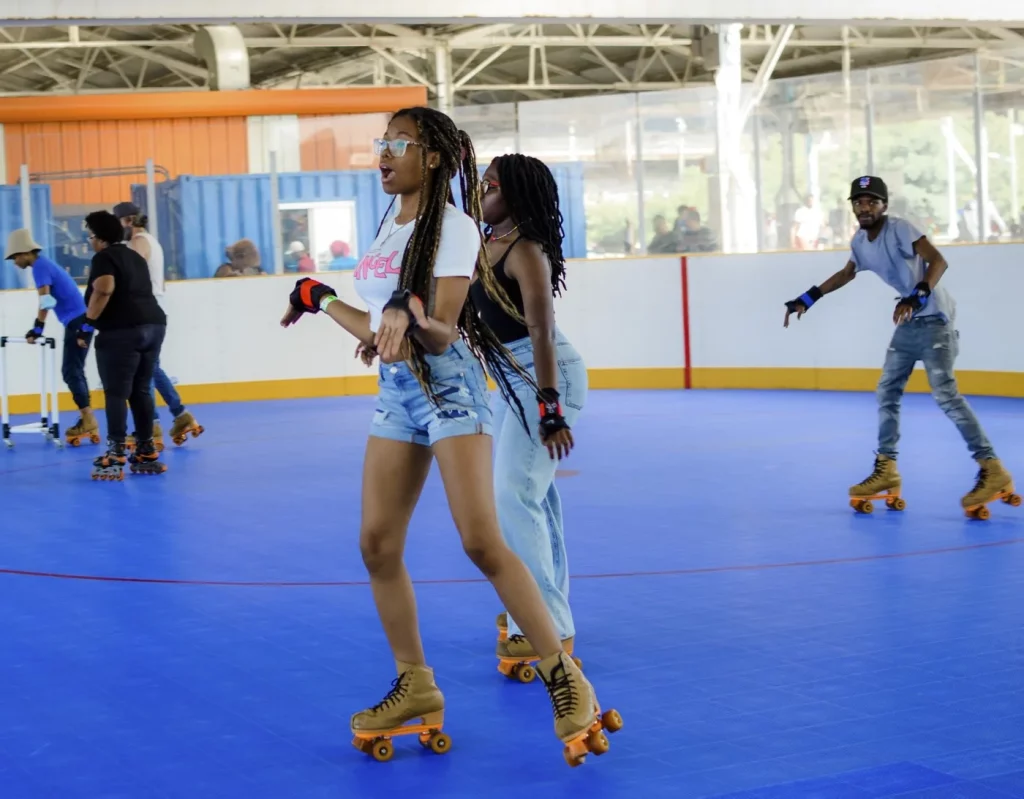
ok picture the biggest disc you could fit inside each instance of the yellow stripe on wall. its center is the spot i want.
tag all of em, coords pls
(996, 384)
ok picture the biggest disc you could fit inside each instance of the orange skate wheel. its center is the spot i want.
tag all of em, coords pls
(197, 431)
(597, 743)
(95, 439)
(74, 442)
(440, 743)
(867, 507)
(525, 673)
(897, 503)
(383, 751)
(1013, 500)
(611, 721)
(982, 513)
(579, 663)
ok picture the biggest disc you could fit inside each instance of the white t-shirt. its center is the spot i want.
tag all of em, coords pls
(155, 261)
(809, 222)
(376, 276)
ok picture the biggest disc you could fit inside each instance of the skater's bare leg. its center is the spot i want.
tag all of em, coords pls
(393, 476)
(465, 463)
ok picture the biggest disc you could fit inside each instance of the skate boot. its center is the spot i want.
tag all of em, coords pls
(145, 459)
(502, 622)
(110, 465)
(993, 483)
(158, 438)
(83, 430)
(184, 424)
(414, 697)
(883, 483)
(515, 654)
(579, 722)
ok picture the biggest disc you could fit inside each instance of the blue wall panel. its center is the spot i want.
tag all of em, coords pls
(198, 217)
(11, 219)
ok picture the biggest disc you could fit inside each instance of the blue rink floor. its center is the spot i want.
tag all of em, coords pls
(208, 633)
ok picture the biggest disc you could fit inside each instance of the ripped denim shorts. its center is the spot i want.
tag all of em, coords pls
(406, 413)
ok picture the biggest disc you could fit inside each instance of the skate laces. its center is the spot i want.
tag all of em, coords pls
(561, 690)
(982, 476)
(517, 639)
(878, 471)
(399, 688)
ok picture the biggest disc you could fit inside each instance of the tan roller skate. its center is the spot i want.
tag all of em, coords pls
(993, 483)
(515, 654)
(414, 697)
(884, 482)
(184, 424)
(579, 722)
(158, 438)
(502, 622)
(85, 429)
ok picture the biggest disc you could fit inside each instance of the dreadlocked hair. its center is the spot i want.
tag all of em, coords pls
(439, 134)
(531, 196)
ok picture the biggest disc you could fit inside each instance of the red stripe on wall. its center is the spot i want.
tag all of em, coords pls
(684, 281)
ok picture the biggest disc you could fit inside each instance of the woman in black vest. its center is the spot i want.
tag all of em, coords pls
(520, 208)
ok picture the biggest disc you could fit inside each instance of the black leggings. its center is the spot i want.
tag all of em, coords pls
(126, 359)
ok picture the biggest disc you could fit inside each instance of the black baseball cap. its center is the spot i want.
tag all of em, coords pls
(869, 186)
(121, 210)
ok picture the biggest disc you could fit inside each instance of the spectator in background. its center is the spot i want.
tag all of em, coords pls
(297, 259)
(665, 240)
(59, 293)
(243, 260)
(808, 222)
(696, 236)
(145, 244)
(341, 257)
(680, 224)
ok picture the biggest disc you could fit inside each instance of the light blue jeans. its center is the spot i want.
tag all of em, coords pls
(162, 383)
(405, 413)
(529, 508)
(936, 343)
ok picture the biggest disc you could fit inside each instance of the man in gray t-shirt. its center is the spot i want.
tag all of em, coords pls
(925, 319)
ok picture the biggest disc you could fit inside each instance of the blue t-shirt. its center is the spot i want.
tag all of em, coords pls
(891, 256)
(63, 289)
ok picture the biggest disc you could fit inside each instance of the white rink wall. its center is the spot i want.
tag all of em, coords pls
(626, 316)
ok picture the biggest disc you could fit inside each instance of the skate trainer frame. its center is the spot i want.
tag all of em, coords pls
(49, 417)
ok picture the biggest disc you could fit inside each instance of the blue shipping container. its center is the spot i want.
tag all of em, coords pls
(11, 218)
(199, 217)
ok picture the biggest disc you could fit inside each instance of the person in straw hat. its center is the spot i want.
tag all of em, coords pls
(58, 293)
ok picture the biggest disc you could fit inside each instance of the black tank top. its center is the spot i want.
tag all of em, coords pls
(493, 315)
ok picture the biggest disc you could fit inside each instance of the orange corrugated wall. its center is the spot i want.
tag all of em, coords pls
(333, 142)
(205, 146)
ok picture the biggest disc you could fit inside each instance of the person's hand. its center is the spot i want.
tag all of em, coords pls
(794, 307)
(36, 331)
(291, 316)
(84, 335)
(904, 310)
(366, 353)
(911, 304)
(554, 430)
(395, 324)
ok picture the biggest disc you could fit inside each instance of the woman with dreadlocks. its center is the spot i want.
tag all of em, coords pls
(433, 403)
(524, 225)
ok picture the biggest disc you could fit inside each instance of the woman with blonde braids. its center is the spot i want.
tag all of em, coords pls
(433, 403)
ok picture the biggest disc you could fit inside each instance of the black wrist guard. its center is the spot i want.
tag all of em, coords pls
(308, 293)
(917, 299)
(400, 299)
(551, 419)
(807, 299)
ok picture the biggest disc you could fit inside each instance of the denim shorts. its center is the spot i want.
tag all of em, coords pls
(406, 413)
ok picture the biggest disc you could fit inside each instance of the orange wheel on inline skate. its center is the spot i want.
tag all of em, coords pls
(1013, 500)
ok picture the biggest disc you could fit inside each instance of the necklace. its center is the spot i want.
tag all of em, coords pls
(503, 235)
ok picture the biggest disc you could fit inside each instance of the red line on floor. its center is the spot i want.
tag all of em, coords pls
(456, 581)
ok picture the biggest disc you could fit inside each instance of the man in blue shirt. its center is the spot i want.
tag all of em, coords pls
(925, 318)
(59, 293)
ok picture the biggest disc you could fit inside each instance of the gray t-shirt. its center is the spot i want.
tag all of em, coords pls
(891, 256)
